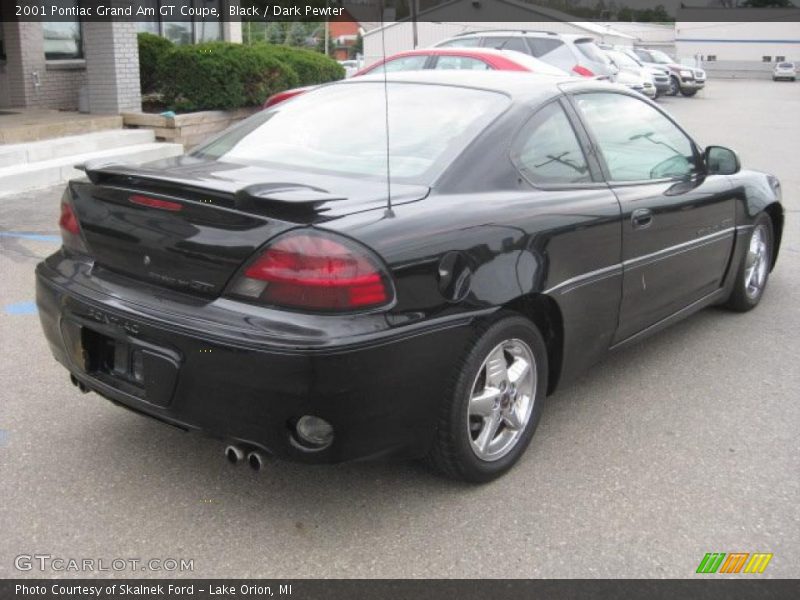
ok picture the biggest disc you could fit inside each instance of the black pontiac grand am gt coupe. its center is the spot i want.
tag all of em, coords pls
(271, 289)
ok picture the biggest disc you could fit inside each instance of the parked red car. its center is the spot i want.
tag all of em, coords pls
(470, 59)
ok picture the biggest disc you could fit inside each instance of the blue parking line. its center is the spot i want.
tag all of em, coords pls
(21, 308)
(39, 237)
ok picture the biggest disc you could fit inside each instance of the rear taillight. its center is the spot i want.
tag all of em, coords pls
(69, 225)
(316, 271)
(582, 71)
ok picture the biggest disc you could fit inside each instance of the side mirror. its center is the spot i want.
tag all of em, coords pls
(721, 161)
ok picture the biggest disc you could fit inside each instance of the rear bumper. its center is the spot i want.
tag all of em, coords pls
(239, 375)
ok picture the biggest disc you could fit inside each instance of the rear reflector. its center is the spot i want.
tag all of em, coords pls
(155, 203)
(318, 271)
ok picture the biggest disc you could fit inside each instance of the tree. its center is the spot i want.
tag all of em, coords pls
(275, 33)
(358, 47)
(296, 35)
(768, 4)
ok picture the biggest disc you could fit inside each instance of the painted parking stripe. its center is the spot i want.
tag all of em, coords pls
(38, 237)
(20, 308)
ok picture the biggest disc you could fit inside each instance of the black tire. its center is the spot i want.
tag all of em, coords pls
(452, 452)
(744, 297)
(688, 93)
(674, 87)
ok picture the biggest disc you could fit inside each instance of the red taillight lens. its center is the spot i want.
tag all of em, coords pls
(317, 271)
(69, 225)
(68, 221)
(582, 71)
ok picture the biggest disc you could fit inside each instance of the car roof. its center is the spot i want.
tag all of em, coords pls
(521, 86)
(508, 32)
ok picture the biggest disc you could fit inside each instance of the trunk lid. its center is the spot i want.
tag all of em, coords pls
(190, 224)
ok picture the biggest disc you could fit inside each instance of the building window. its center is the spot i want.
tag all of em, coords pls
(183, 30)
(780, 59)
(711, 58)
(766, 59)
(63, 40)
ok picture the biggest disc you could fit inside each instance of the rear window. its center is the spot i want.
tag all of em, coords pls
(506, 43)
(340, 129)
(552, 51)
(786, 65)
(466, 42)
(590, 50)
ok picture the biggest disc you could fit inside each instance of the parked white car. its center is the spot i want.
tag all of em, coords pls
(632, 74)
(351, 67)
(784, 70)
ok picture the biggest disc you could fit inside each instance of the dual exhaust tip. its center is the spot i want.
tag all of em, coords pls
(238, 454)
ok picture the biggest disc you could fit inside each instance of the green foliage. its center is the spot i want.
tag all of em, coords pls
(275, 32)
(311, 67)
(222, 76)
(296, 34)
(152, 50)
(768, 4)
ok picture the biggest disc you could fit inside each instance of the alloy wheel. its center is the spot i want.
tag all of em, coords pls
(757, 265)
(501, 400)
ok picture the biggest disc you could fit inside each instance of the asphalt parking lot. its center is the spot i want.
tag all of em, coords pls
(685, 444)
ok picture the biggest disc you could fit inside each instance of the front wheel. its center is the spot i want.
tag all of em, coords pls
(688, 93)
(674, 87)
(494, 402)
(751, 279)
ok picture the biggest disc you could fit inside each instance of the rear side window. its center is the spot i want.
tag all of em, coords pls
(506, 43)
(547, 150)
(466, 42)
(460, 63)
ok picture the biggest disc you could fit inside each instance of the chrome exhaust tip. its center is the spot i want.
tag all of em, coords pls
(234, 454)
(256, 460)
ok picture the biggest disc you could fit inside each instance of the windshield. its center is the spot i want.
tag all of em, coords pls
(660, 57)
(341, 129)
(623, 60)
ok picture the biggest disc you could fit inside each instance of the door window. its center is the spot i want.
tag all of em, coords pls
(637, 141)
(547, 150)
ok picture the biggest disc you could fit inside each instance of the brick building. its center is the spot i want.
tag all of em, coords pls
(92, 66)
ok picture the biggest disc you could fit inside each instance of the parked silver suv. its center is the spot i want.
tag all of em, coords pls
(577, 54)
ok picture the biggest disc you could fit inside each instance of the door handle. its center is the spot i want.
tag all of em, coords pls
(642, 218)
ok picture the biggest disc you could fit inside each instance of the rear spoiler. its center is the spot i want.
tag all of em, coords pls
(97, 168)
(292, 197)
